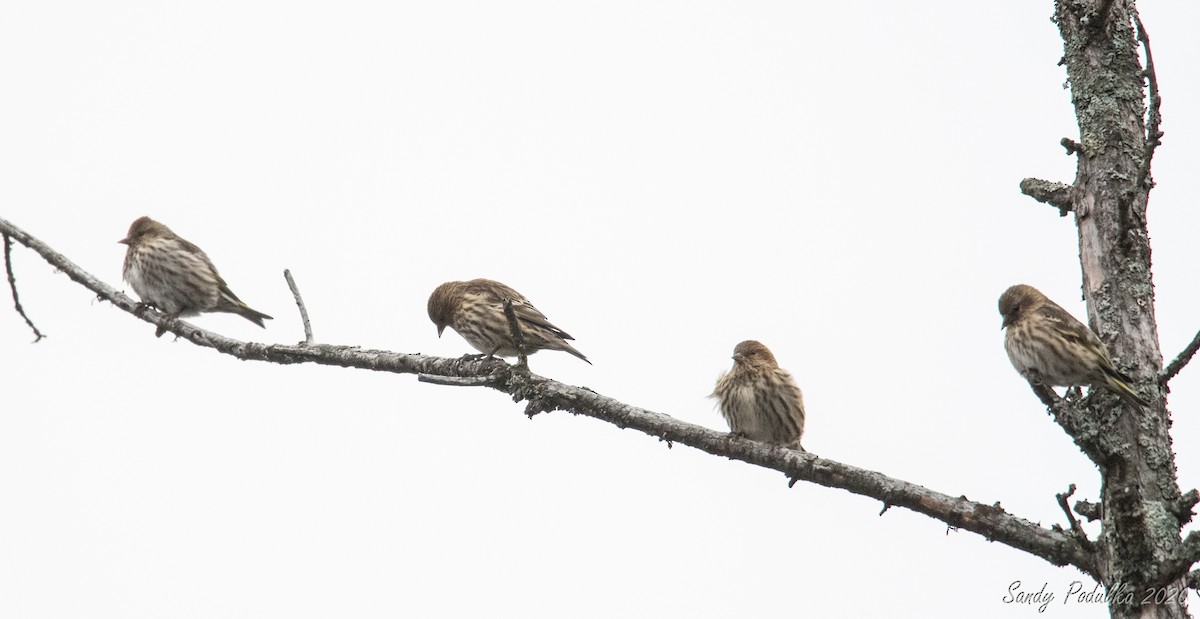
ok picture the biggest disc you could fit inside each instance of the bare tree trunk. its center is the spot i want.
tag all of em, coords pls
(1143, 511)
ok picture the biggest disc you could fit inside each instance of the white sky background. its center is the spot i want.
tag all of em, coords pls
(663, 180)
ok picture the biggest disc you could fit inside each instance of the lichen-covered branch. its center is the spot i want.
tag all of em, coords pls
(1177, 566)
(543, 394)
(1184, 506)
(1087, 509)
(1058, 195)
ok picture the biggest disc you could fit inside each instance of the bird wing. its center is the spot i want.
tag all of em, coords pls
(497, 293)
(1073, 331)
(212, 269)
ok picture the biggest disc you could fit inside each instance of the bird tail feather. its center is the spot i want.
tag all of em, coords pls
(253, 316)
(571, 349)
(1122, 389)
(229, 302)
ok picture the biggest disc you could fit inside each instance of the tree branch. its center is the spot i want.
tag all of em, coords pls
(1076, 529)
(1058, 195)
(491, 380)
(1072, 417)
(1184, 357)
(308, 336)
(544, 394)
(1047, 396)
(1154, 108)
(1178, 566)
(1182, 508)
(12, 284)
(1087, 509)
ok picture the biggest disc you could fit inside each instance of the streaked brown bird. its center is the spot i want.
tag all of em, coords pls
(759, 399)
(175, 276)
(1048, 346)
(475, 310)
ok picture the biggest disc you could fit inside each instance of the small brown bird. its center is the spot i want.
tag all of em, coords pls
(475, 310)
(759, 399)
(1050, 347)
(175, 276)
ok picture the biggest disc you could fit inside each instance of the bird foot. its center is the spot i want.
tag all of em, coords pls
(163, 328)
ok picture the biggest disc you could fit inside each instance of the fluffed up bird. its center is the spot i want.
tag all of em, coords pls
(475, 310)
(759, 399)
(175, 276)
(1050, 347)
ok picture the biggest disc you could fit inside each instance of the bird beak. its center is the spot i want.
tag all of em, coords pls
(1005, 323)
(124, 241)
(738, 357)
(440, 329)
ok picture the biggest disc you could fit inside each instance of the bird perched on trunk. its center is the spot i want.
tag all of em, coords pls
(475, 310)
(759, 399)
(175, 276)
(1050, 347)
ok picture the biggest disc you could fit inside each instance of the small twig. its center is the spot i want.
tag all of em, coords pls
(1175, 366)
(1076, 529)
(308, 336)
(1154, 109)
(1071, 145)
(1058, 195)
(515, 330)
(459, 381)
(12, 284)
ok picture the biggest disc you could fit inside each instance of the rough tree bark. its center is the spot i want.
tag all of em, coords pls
(1140, 553)
(1140, 556)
